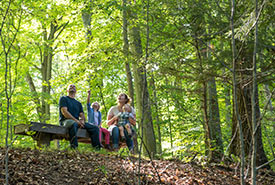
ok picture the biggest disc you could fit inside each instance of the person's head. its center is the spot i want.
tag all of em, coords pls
(127, 108)
(123, 99)
(95, 106)
(71, 89)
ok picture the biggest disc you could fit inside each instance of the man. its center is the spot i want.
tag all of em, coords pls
(71, 115)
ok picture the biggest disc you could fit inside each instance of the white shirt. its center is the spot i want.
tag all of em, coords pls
(96, 117)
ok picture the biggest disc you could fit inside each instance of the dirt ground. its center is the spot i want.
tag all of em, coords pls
(27, 166)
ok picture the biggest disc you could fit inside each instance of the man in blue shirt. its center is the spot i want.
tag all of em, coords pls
(71, 115)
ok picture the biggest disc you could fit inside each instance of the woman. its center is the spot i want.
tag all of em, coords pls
(112, 120)
(94, 118)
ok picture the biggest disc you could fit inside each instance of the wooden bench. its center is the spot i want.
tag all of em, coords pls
(44, 133)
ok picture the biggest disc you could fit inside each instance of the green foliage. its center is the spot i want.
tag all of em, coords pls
(178, 32)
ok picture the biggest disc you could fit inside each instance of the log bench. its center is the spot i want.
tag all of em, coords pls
(44, 133)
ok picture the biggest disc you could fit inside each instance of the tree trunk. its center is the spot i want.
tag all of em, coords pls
(43, 107)
(142, 94)
(214, 122)
(158, 122)
(126, 52)
(169, 116)
(127, 63)
(86, 18)
(238, 121)
(228, 116)
(46, 70)
(244, 94)
(253, 102)
(203, 94)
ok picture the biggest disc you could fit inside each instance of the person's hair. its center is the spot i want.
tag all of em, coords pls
(97, 104)
(128, 100)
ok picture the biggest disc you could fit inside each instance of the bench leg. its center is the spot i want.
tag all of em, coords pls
(43, 139)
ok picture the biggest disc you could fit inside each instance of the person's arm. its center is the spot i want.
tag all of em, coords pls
(67, 114)
(82, 118)
(132, 120)
(88, 97)
(111, 119)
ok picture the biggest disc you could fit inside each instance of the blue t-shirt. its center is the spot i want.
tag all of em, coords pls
(73, 106)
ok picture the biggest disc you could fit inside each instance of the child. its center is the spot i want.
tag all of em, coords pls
(94, 118)
(123, 121)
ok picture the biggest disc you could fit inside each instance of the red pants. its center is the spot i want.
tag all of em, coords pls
(106, 133)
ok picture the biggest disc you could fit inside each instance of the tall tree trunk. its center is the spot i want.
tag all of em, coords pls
(204, 106)
(236, 115)
(244, 94)
(8, 34)
(228, 116)
(169, 115)
(46, 53)
(253, 102)
(216, 149)
(126, 52)
(214, 122)
(158, 121)
(142, 94)
(127, 63)
(46, 70)
(86, 18)
(35, 96)
(227, 97)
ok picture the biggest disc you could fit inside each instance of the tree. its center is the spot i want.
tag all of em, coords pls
(142, 95)
(243, 95)
(9, 29)
(51, 31)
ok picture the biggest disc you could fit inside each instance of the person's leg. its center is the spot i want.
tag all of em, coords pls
(106, 134)
(115, 137)
(129, 140)
(107, 138)
(94, 134)
(121, 131)
(129, 130)
(100, 134)
(73, 127)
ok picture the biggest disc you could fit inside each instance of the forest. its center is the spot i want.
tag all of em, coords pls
(200, 75)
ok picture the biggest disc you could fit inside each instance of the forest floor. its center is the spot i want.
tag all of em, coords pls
(29, 166)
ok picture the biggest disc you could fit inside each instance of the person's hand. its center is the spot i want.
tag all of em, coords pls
(80, 123)
(116, 118)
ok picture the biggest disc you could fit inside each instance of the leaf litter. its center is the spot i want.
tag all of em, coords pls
(31, 166)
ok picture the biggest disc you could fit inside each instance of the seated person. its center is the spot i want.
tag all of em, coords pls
(112, 121)
(123, 121)
(94, 118)
(71, 115)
